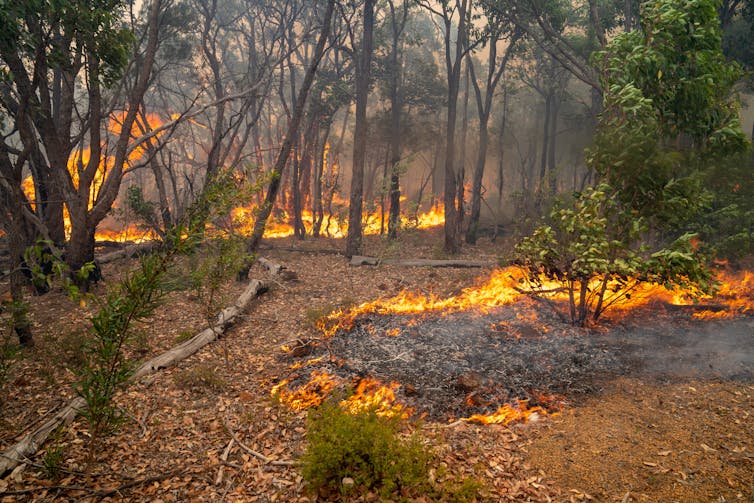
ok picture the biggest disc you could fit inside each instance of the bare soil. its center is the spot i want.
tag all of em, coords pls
(634, 429)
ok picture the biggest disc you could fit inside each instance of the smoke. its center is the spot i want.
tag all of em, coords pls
(699, 350)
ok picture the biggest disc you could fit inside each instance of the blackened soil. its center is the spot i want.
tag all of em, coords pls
(452, 365)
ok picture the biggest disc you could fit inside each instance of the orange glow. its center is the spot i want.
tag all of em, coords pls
(79, 158)
(507, 414)
(311, 394)
(369, 394)
(332, 225)
(500, 289)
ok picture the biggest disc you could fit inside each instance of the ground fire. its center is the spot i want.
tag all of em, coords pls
(514, 364)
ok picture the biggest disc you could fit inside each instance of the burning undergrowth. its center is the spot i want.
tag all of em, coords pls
(493, 354)
(445, 366)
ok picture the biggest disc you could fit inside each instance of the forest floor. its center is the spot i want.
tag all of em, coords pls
(643, 431)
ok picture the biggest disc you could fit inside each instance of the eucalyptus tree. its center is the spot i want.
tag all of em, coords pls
(361, 51)
(499, 32)
(453, 19)
(324, 24)
(74, 75)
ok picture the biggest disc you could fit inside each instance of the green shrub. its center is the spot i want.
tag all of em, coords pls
(367, 449)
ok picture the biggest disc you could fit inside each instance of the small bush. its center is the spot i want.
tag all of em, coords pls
(365, 448)
(314, 315)
(201, 376)
(52, 461)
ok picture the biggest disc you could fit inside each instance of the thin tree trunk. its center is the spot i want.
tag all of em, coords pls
(545, 143)
(355, 232)
(554, 109)
(285, 149)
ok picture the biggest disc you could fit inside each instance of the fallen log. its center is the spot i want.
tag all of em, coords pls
(714, 308)
(28, 445)
(358, 260)
(226, 317)
(128, 252)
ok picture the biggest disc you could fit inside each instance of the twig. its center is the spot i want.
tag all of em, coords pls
(97, 492)
(223, 458)
(254, 453)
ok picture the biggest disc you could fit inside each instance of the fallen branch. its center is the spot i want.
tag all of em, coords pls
(248, 450)
(358, 260)
(128, 252)
(272, 267)
(28, 445)
(224, 459)
(226, 317)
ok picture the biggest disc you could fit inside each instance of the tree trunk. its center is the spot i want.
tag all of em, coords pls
(80, 249)
(355, 232)
(545, 143)
(461, 182)
(285, 149)
(476, 189)
(551, 168)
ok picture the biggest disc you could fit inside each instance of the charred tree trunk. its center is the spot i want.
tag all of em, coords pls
(285, 149)
(461, 182)
(484, 108)
(394, 220)
(453, 60)
(355, 232)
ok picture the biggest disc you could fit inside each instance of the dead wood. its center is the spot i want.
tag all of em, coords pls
(272, 267)
(128, 252)
(358, 260)
(28, 445)
(715, 308)
(226, 317)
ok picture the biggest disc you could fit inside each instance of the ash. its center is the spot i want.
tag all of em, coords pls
(457, 364)
(452, 365)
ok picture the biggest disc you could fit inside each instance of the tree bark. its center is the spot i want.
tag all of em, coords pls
(355, 204)
(484, 108)
(285, 149)
(394, 219)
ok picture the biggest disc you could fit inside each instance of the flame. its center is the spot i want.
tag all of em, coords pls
(311, 394)
(371, 394)
(335, 224)
(507, 414)
(368, 394)
(500, 289)
(80, 157)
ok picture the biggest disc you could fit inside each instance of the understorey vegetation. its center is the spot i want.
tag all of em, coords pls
(670, 121)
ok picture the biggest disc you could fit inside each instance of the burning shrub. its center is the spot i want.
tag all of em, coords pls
(595, 252)
(362, 451)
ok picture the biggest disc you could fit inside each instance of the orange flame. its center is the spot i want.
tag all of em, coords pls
(500, 289)
(369, 394)
(507, 414)
(333, 225)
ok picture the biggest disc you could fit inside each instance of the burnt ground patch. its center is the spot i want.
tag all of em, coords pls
(452, 365)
